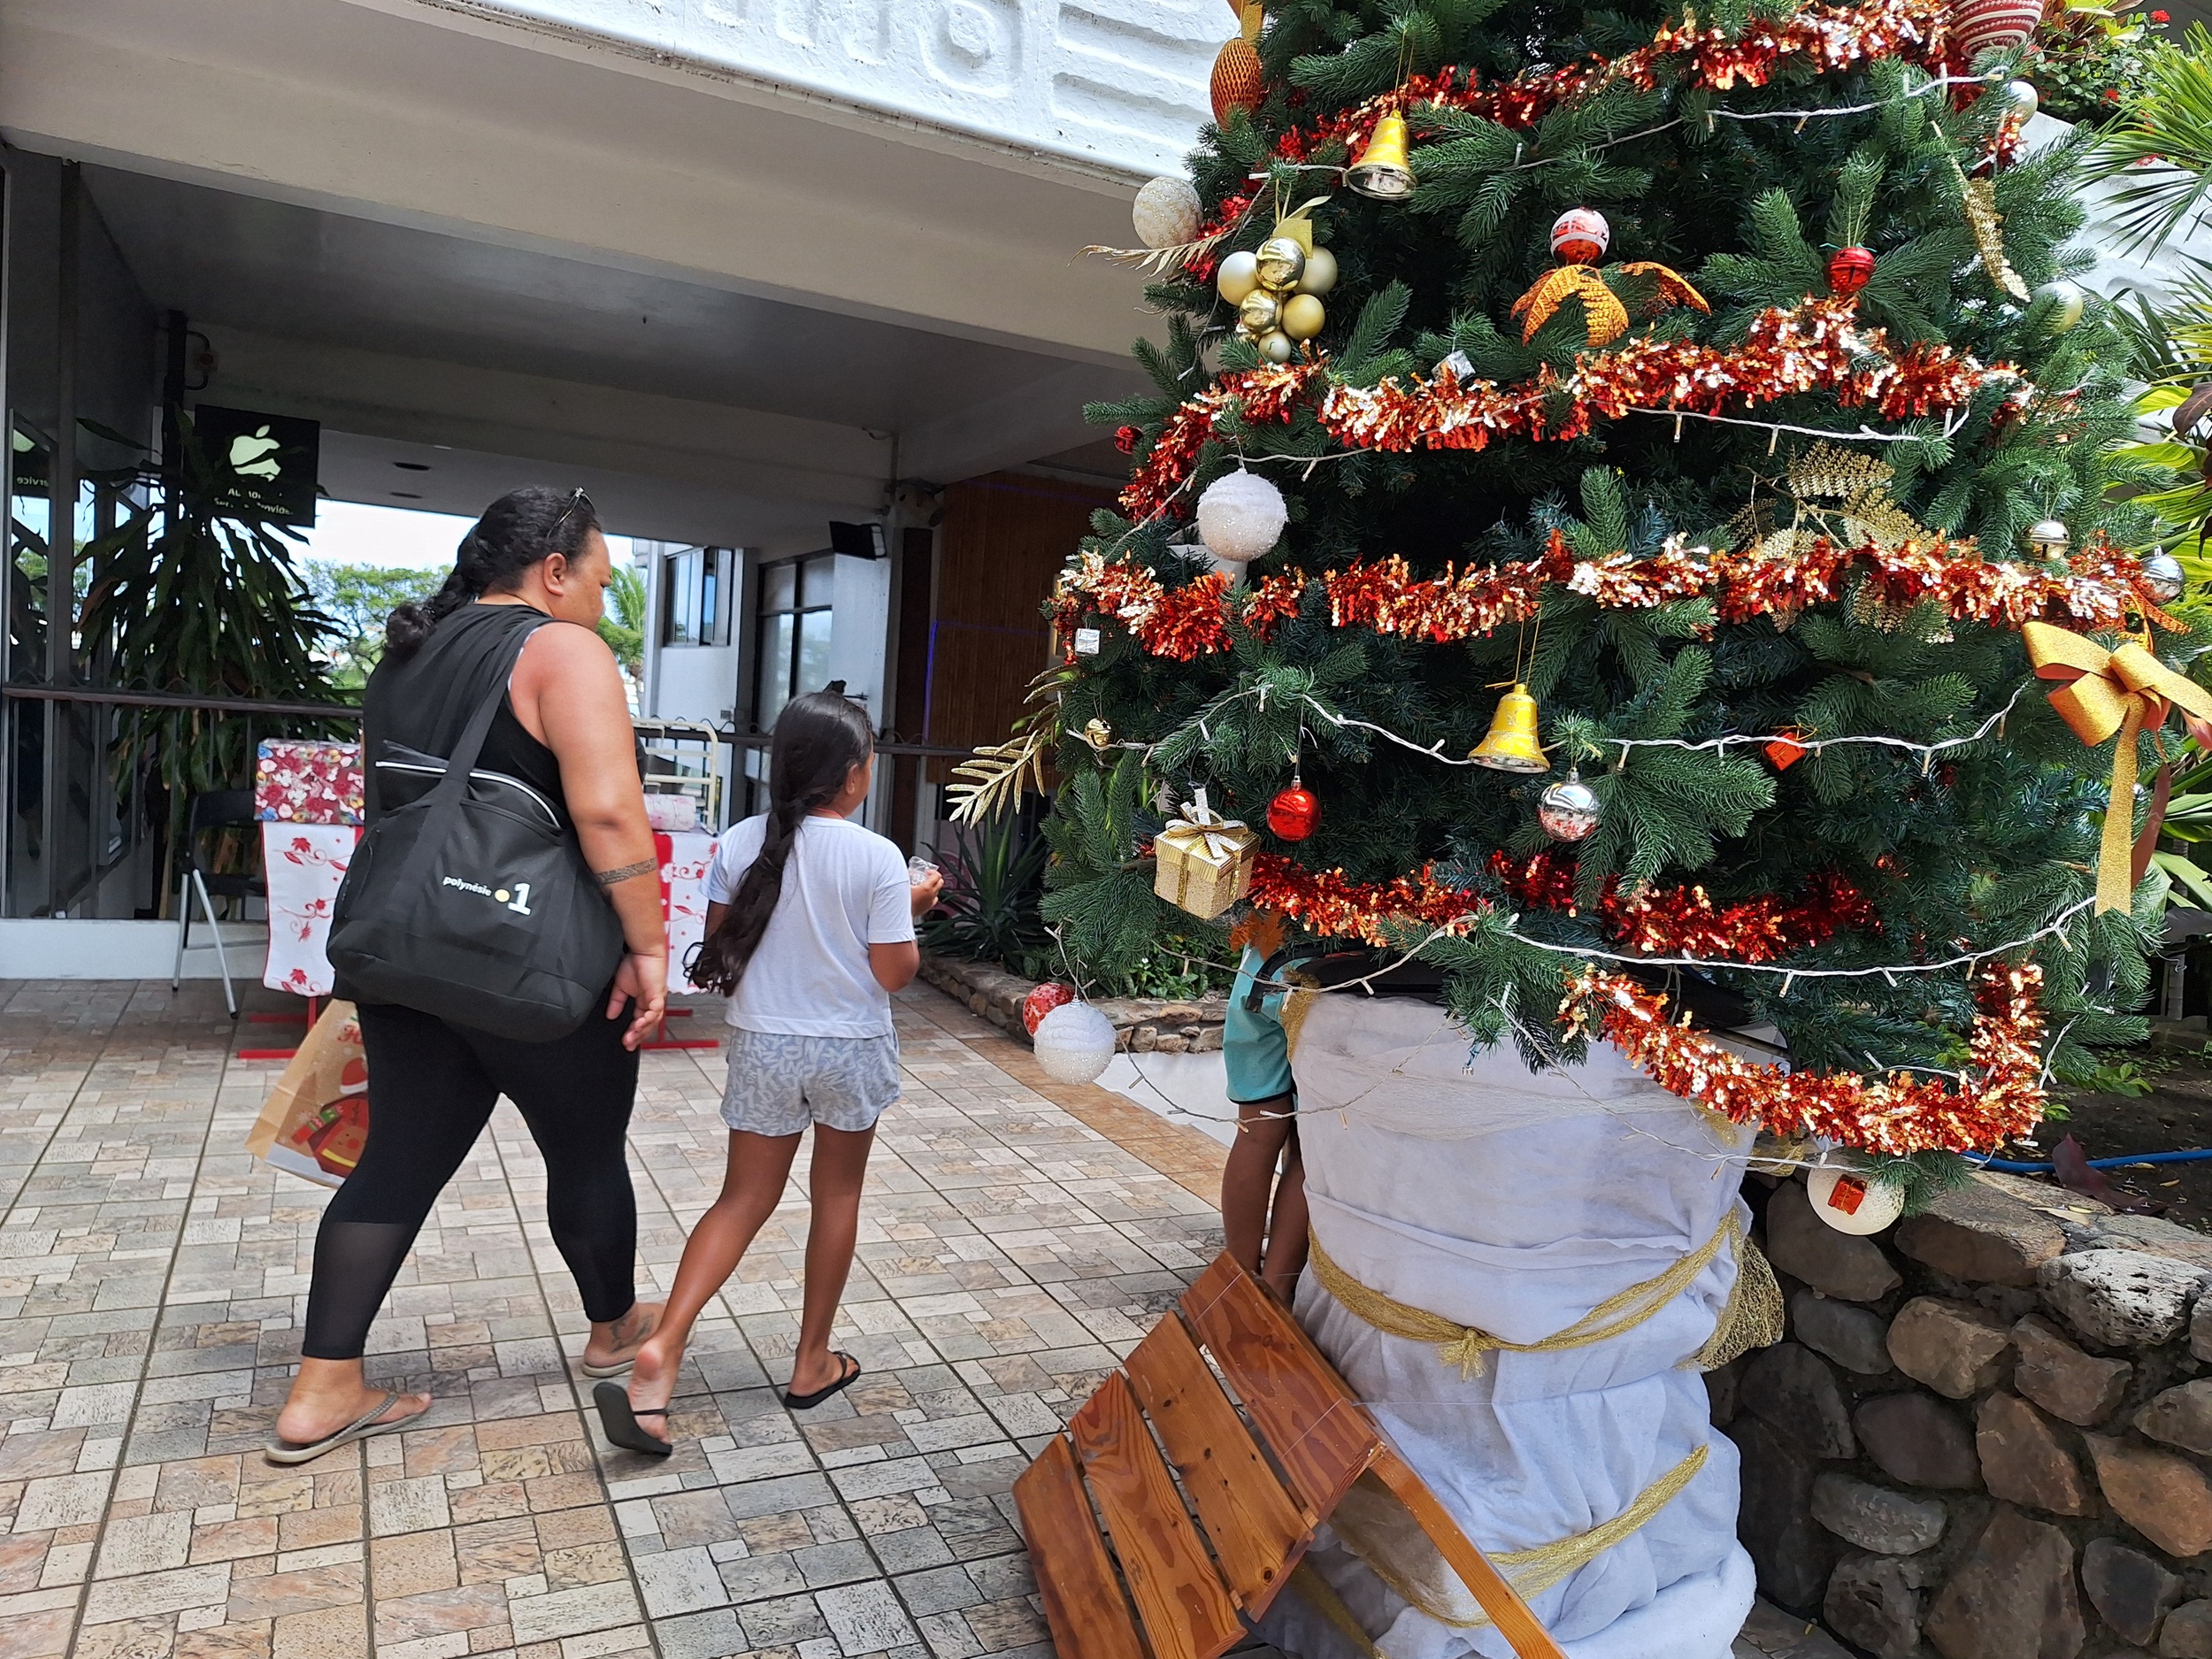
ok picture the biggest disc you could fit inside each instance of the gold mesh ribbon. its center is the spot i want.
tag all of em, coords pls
(2102, 694)
(1309, 1583)
(1464, 1345)
(1532, 1571)
(1753, 1316)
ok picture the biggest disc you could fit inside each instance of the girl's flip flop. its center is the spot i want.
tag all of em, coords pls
(283, 1451)
(801, 1402)
(618, 1417)
(617, 1368)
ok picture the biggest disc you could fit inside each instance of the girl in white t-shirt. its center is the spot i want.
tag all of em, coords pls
(809, 929)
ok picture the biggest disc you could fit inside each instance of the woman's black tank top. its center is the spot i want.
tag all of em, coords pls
(423, 700)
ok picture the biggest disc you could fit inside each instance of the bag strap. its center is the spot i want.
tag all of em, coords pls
(445, 797)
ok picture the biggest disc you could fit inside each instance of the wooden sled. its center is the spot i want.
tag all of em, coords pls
(1260, 1480)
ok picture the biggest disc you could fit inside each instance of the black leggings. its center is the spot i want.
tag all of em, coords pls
(432, 1087)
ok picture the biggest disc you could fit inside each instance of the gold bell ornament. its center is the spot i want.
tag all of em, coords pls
(1510, 743)
(1382, 170)
(1204, 860)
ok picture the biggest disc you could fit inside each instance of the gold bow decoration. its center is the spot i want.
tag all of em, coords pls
(2124, 692)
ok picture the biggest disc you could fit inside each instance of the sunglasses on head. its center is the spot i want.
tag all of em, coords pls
(575, 500)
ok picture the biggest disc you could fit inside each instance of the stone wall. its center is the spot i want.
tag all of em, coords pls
(1144, 1025)
(1987, 1434)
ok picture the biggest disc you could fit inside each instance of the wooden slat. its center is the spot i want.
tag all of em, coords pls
(1258, 1531)
(1186, 1611)
(1317, 1430)
(1083, 1601)
(1496, 1597)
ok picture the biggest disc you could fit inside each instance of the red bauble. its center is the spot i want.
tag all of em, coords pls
(1126, 439)
(1042, 1002)
(1294, 814)
(1849, 270)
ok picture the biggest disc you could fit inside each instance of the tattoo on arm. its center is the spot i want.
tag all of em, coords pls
(609, 878)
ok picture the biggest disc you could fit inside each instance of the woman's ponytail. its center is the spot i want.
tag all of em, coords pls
(818, 739)
(521, 528)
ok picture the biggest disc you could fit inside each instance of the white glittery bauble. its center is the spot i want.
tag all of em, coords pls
(1241, 516)
(1074, 1043)
(1165, 213)
(1854, 1203)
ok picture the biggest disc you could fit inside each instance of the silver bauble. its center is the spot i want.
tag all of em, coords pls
(1568, 810)
(2022, 99)
(2162, 574)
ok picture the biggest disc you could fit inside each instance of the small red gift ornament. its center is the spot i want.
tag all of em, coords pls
(1784, 752)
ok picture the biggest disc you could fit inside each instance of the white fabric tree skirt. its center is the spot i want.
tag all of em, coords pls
(1516, 1203)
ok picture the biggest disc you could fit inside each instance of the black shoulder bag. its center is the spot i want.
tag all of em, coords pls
(473, 902)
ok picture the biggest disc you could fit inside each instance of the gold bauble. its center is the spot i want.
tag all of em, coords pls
(1303, 317)
(1260, 312)
(1239, 275)
(1319, 275)
(1282, 261)
(1277, 347)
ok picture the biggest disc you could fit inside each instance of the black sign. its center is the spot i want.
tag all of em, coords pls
(272, 460)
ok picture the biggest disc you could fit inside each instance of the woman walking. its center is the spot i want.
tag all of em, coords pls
(810, 930)
(529, 577)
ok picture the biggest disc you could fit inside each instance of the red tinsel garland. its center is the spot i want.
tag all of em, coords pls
(1816, 345)
(1685, 921)
(1826, 37)
(2100, 589)
(1895, 1113)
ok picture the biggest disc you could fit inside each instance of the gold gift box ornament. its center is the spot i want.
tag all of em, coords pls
(1205, 860)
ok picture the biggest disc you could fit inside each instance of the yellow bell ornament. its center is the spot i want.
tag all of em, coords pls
(1510, 743)
(1382, 170)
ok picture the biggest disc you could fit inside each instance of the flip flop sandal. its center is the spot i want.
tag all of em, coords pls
(620, 1368)
(283, 1451)
(618, 1417)
(801, 1402)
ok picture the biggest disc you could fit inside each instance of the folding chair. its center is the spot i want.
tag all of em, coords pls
(219, 810)
(1261, 1480)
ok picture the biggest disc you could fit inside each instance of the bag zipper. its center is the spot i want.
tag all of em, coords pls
(544, 805)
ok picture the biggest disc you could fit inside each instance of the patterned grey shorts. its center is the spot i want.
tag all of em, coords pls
(778, 1083)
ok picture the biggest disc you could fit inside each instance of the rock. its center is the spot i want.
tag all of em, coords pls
(2201, 1329)
(1794, 1390)
(1803, 1246)
(1916, 1439)
(1874, 1517)
(1869, 1603)
(2154, 1235)
(1722, 1392)
(2132, 1591)
(2024, 1461)
(1792, 1552)
(1957, 1348)
(1854, 1337)
(2063, 1381)
(2165, 1497)
(2012, 1597)
(1981, 1236)
(2120, 1298)
(2188, 1633)
(2180, 1416)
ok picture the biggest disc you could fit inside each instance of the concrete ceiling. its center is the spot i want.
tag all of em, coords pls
(273, 267)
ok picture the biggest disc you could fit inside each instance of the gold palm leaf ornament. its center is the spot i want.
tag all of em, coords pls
(1605, 319)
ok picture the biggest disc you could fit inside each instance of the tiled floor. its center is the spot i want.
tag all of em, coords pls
(152, 1277)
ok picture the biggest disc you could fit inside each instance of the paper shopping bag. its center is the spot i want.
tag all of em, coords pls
(316, 1118)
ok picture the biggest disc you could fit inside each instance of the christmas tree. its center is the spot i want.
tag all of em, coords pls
(1714, 380)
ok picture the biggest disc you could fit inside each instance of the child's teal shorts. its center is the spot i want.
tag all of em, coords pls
(1254, 1045)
